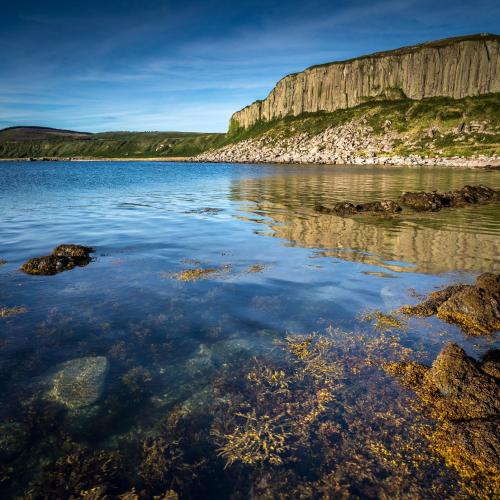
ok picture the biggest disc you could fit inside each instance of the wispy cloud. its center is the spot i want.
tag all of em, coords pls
(167, 65)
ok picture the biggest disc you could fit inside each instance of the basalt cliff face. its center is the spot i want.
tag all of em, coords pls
(455, 67)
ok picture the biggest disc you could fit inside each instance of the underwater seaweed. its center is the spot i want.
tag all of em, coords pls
(6, 312)
(384, 321)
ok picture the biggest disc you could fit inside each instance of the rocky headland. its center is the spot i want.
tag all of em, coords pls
(359, 143)
(410, 106)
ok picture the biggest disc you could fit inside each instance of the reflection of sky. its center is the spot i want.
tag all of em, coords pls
(166, 65)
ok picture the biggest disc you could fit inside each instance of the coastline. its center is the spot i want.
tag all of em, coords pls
(483, 163)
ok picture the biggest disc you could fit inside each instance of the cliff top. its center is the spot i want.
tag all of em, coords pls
(407, 49)
(399, 51)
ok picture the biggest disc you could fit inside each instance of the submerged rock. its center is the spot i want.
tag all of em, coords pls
(433, 201)
(63, 258)
(431, 304)
(464, 396)
(474, 308)
(471, 391)
(344, 208)
(79, 383)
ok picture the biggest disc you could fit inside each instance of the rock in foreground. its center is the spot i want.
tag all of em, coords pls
(63, 258)
(474, 308)
(79, 383)
(463, 395)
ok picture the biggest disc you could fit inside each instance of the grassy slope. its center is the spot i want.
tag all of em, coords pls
(413, 119)
(31, 142)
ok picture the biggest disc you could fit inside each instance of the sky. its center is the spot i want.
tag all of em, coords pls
(188, 65)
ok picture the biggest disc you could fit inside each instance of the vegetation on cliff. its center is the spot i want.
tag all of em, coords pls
(437, 126)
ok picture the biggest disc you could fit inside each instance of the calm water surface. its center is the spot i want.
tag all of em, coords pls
(187, 359)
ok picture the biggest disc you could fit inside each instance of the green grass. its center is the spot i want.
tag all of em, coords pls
(412, 119)
(105, 145)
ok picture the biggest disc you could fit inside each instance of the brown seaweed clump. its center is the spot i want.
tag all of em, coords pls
(199, 273)
(63, 258)
(171, 460)
(463, 395)
(324, 422)
(384, 322)
(282, 405)
(81, 473)
(346, 208)
(474, 308)
(6, 312)
(433, 201)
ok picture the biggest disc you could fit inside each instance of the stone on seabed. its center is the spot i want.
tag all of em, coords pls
(79, 382)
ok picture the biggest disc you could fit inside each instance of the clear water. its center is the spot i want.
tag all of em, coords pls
(316, 273)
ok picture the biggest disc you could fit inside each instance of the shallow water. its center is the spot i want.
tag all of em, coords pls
(313, 273)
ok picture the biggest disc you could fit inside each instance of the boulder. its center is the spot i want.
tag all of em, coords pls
(464, 397)
(461, 380)
(79, 383)
(474, 308)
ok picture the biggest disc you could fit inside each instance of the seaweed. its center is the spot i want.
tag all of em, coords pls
(6, 312)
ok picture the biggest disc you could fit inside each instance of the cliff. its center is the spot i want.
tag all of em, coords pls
(432, 131)
(454, 67)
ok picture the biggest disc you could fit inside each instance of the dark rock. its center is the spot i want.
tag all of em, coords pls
(474, 308)
(431, 304)
(345, 208)
(63, 258)
(72, 251)
(387, 206)
(342, 208)
(464, 397)
(489, 282)
(422, 201)
(462, 381)
(434, 201)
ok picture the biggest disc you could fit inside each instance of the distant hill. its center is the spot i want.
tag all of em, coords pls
(26, 142)
(23, 134)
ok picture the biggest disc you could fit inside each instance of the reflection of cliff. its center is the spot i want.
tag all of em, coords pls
(465, 239)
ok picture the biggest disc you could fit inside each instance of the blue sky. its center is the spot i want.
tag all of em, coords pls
(162, 65)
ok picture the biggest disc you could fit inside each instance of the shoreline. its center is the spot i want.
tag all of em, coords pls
(480, 163)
